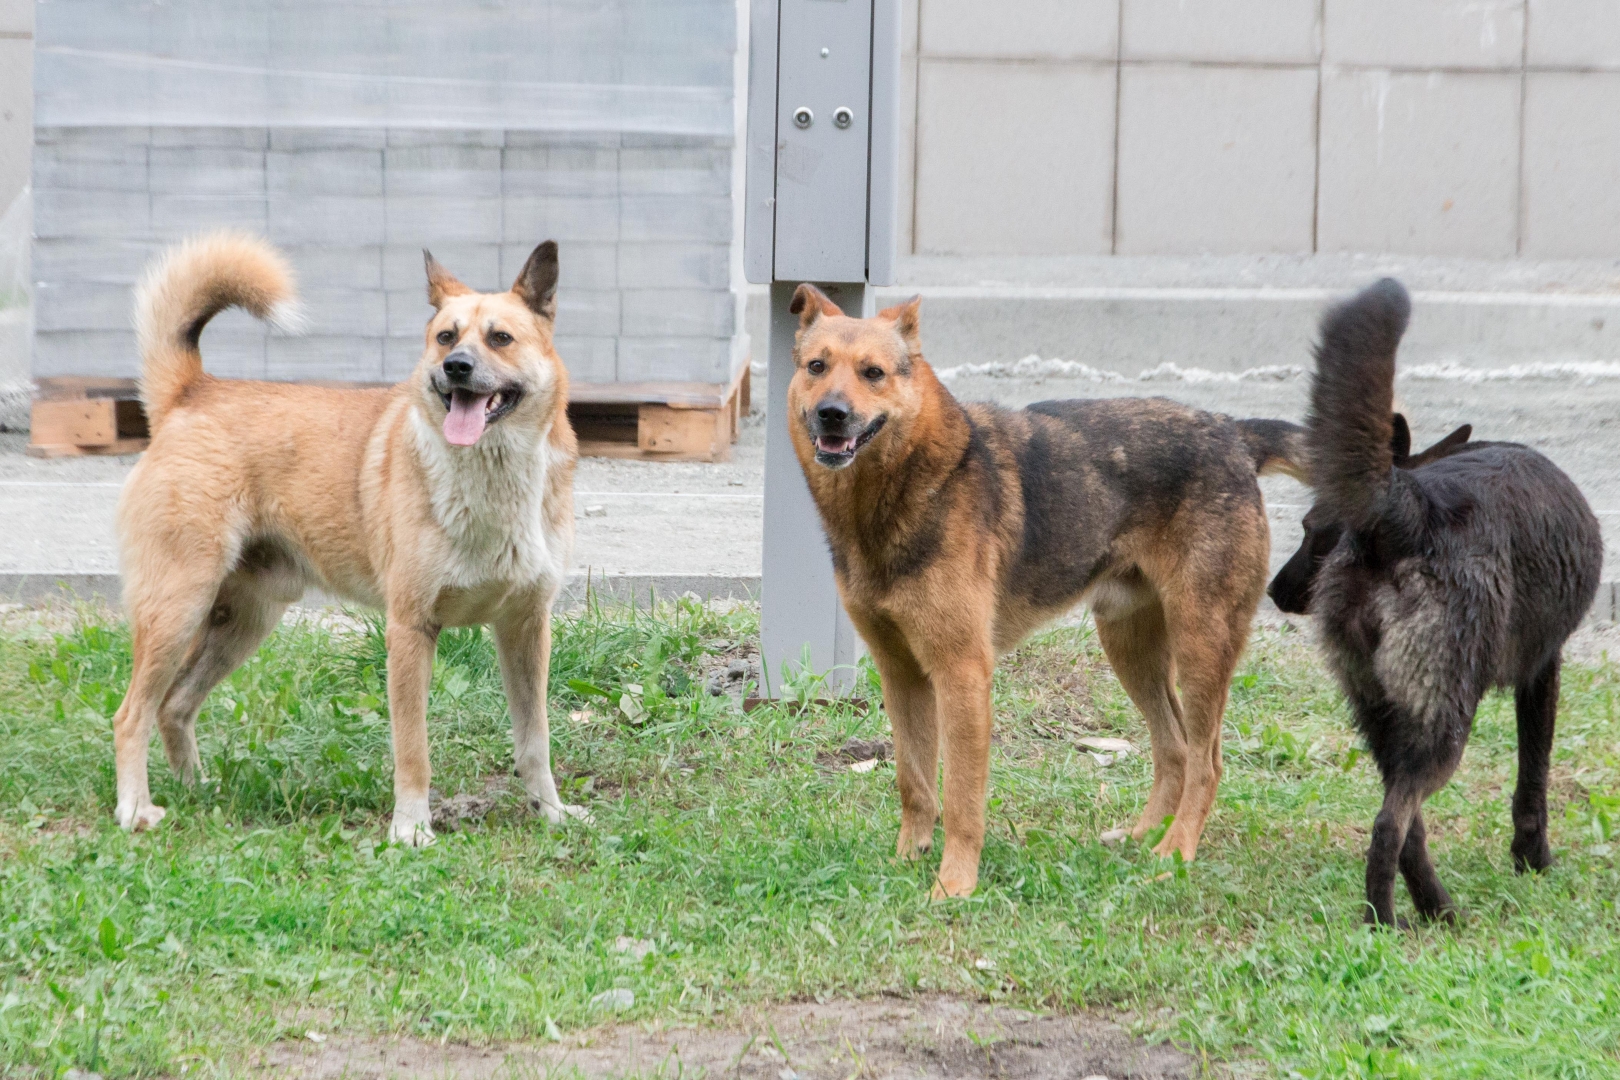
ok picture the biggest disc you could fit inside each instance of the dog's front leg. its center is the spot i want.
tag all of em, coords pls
(962, 695)
(412, 640)
(908, 698)
(523, 642)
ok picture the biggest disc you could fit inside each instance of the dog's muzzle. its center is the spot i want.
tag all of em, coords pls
(472, 398)
(837, 434)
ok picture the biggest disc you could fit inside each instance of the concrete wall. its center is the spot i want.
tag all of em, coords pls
(16, 96)
(607, 126)
(1461, 128)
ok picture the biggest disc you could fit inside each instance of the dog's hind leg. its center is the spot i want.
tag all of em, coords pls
(241, 617)
(168, 608)
(1402, 801)
(1209, 626)
(1428, 895)
(1138, 647)
(1537, 706)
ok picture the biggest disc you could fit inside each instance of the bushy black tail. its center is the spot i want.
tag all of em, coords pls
(1353, 401)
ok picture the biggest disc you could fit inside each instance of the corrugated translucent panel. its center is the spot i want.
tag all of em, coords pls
(654, 66)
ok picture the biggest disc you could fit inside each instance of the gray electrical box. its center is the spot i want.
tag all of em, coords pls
(823, 140)
(823, 161)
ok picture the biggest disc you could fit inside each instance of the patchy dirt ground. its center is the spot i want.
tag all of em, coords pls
(930, 1037)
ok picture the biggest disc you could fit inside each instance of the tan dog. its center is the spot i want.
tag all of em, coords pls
(446, 500)
(957, 530)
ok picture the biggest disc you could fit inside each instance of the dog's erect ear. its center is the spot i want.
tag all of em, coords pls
(1442, 448)
(536, 283)
(810, 303)
(442, 284)
(1400, 439)
(905, 319)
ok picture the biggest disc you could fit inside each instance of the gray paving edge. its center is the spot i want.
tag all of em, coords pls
(636, 589)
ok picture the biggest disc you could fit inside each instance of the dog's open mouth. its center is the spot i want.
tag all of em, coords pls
(836, 451)
(468, 413)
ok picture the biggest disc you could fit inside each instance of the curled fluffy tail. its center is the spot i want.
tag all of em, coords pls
(1278, 447)
(1352, 409)
(187, 286)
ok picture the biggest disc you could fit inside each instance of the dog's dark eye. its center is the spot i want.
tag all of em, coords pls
(500, 338)
(447, 337)
(816, 367)
(874, 373)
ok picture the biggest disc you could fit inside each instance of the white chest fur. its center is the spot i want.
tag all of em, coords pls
(489, 500)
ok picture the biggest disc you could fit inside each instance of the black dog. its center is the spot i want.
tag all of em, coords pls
(1290, 590)
(1467, 573)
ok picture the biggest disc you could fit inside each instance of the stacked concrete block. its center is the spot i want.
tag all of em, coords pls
(643, 224)
(1453, 128)
(604, 125)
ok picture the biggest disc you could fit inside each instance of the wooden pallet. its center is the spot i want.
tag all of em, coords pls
(653, 421)
(79, 415)
(659, 421)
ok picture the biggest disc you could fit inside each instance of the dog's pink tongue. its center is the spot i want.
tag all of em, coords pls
(465, 423)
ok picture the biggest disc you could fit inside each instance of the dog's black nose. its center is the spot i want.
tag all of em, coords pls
(832, 413)
(458, 365)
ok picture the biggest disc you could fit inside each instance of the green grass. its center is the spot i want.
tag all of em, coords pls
(268, 903)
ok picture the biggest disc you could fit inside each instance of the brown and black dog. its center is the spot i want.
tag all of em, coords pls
(956, 530)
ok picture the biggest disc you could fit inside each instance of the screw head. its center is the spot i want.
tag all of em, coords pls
(803, 117)
(843, 117)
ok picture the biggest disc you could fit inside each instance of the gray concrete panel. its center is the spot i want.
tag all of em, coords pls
(431, 219)
(674, 266)
(326, 219)
(663, 359)
(1022, 29)
(340, 171)
(355, 359)
(1574, 33)
(992, 179)
(1424, 33)
(669, 217)
(109, 215)
(589, 359)
(1222, 31)
(1218, 160)
(1571, 198)
(1419, 163)
(678, 313)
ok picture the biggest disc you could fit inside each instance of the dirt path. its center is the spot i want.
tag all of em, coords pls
(903, 1038)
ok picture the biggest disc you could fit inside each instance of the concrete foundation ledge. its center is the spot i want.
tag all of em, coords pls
(637, 590)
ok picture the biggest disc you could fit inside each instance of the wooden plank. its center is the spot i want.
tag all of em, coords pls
(632, 452)
(119, 446)
(73, 387)
(681, 431)
(84, 422)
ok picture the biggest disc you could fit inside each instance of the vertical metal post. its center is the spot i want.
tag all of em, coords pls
(821, 164)
(800, 605)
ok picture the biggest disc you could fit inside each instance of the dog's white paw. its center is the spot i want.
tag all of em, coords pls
(1114, 836)
(140, 818)
(557, 813)
(411, 833)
